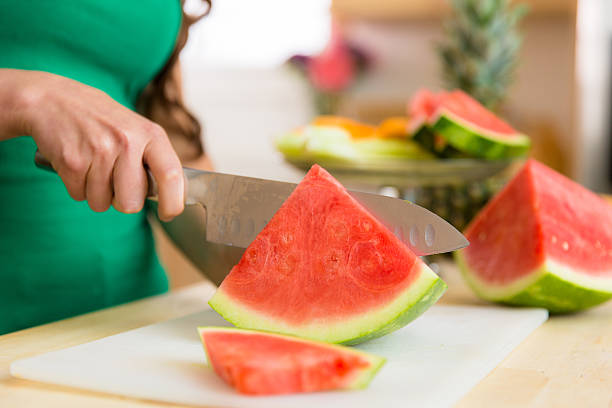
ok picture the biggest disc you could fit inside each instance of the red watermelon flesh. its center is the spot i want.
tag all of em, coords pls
(322, 266)
(468, 109)
(505, 237)
(421, 107)
(427, 105)
(540, 214)
(464, 124)
(424, 103)
(314, 272)
(259, 363)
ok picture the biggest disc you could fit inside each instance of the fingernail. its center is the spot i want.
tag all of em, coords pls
(132, 206)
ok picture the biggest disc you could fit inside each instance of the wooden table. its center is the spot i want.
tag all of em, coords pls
(567, 362)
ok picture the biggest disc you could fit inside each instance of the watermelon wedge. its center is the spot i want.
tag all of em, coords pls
(542, 241)
(325, 269)
(259, 363)
(464, 124)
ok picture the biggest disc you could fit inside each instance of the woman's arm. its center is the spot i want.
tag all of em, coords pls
(97, 146)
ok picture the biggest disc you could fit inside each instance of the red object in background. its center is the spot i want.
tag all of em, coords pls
(332, 72)
(334, 69)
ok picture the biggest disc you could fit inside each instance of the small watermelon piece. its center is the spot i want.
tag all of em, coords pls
(471, 128)
(542, 241)
(325, 269)
(259, 363)
(465, 125)
(421, 108)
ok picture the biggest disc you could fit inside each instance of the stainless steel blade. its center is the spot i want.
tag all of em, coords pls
(237, 209)
(224, 213)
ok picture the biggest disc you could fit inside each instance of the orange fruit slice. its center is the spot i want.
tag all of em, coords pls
(393, 127)
(357, 130)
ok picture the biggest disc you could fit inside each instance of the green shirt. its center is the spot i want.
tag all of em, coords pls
(58, 258)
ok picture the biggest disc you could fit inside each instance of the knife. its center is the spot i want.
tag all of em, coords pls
(231, 210)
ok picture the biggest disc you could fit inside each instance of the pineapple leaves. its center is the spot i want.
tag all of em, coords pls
(481, 46)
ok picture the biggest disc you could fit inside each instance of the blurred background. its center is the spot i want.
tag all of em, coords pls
(239, 83)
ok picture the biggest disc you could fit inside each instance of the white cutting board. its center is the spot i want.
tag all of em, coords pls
(430, 363)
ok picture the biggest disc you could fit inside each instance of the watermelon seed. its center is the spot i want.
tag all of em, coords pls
(553, 239)
(286, 238)
(565, 246)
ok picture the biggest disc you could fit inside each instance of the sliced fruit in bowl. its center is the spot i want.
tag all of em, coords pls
(335, 143)
(447, 146)
(464, 124)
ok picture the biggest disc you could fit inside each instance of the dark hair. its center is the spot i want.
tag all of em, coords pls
(162, 99)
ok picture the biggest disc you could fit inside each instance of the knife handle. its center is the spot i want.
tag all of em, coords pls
(44, 164)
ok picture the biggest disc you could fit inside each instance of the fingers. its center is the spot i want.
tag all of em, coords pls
(98, 189)
(167, 171)
(72, 167)
(130, 182)
(100, 150)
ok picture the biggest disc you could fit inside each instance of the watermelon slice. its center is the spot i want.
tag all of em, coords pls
(464, 124)
(259, 363)
(542, 241)
(326, 269)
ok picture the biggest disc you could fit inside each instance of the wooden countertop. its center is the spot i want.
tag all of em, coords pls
(567, 362)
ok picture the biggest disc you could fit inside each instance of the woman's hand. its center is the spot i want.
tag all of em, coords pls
(97, 146)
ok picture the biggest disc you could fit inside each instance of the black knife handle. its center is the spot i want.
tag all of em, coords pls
(42, 162)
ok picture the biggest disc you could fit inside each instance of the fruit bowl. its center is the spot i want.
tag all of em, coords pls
(455, 189)
(449, 154)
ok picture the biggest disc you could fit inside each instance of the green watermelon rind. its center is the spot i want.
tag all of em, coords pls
(469, 138)
(424, 136)
(409, 305)
(360, 382)
(552, 286)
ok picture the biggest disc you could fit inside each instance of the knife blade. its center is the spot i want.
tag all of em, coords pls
(238, 208)
(224, 213)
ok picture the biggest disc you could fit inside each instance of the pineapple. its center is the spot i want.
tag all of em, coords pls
(479, 54)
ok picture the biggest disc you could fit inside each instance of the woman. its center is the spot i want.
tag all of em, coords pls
(72, 73)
